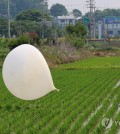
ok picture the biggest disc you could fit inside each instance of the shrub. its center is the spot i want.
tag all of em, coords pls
(14, 42)
(3, 43)
(77, 42)
(79, 30)
(23, 39)
(76, 35)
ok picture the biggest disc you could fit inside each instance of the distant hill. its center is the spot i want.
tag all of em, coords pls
(17, 6)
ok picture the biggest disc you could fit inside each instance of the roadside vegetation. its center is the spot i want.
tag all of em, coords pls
(62, 50)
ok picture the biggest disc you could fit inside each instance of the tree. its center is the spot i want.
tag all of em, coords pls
(111, 12)
(17, 6)
(79, 30)
(76, 34)
(58, 10)
(32, 15)
(22, 27)
(77, 13)
(3, 27)
(99, 15)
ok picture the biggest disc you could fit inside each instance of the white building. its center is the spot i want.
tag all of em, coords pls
(112, 26)
(66, 20)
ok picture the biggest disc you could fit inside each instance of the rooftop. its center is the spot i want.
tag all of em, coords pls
(66, 17)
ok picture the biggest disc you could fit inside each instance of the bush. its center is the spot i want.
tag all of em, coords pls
(77, 42)
(3, 43)
(14, 42)
(76, 34)
(23, 39)
(79, 30)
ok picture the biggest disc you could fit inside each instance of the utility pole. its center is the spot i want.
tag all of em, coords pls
(44, 3)
(91, 6)
(94, 23)
(42, 35)
(9, 35)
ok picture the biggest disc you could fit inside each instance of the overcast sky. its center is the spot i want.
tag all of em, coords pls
(81, 4)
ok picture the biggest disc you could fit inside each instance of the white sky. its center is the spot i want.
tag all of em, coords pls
(81, 4)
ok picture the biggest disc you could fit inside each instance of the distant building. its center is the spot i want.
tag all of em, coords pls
(48, 23)
(111, 26)
(66, 20)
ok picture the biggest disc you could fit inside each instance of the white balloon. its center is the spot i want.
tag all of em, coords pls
(26, 73)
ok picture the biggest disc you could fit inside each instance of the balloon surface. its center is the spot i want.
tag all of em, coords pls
(26, 73)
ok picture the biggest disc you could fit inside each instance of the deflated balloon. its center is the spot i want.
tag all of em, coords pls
(26, 73)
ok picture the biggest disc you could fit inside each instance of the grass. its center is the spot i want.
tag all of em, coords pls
(86, 96)
(3, 53)
(94, 62)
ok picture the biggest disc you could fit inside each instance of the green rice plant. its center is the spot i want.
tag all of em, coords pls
(89, 85)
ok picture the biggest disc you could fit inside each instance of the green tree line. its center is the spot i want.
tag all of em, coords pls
(99, 14)
(17, 6)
